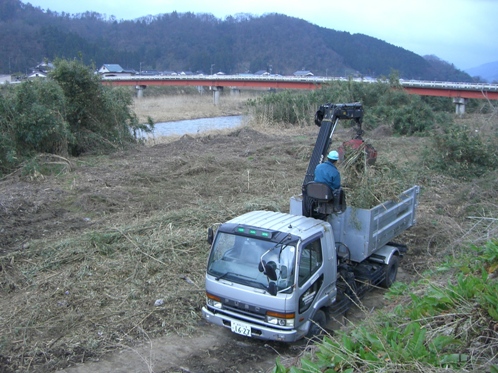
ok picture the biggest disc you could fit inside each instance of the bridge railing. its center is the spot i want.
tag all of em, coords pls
(450, 85)
(310, 79)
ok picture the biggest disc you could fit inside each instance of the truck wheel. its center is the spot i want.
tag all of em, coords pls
(318, 323)
(391, 272)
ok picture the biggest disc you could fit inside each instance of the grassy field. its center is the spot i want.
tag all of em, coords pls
(89, 245)
(181, 107)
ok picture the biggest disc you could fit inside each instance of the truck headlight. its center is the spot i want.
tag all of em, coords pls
(280, 319)
(213, 301)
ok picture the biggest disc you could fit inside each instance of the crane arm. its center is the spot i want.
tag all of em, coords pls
(327, 117)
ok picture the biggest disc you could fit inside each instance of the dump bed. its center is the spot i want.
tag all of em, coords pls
(365, 231)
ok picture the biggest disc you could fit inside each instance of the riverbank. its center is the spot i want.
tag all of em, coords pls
(182, 107)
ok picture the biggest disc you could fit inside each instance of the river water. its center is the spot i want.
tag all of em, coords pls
(194, 126)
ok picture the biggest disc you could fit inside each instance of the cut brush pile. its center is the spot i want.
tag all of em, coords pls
(366, 185)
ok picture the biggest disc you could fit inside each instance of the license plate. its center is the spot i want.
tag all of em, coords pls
(241, 328)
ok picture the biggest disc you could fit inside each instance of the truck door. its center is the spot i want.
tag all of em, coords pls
(310, 278)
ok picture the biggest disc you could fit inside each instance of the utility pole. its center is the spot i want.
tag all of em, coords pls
(212, 65)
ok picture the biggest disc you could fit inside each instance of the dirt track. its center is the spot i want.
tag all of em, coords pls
(217, 350)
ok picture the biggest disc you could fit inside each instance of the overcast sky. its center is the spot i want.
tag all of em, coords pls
(461, 32)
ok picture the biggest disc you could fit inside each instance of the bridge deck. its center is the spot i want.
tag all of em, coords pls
(427, 88)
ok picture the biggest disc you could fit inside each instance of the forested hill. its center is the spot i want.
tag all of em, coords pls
(199, 42)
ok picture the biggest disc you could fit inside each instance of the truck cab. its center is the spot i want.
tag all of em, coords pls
(269, 274)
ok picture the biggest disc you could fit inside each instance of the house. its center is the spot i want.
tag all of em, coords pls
(41, 70)
(303, 73)
(44, 67)
(114, 70)
(37, 74)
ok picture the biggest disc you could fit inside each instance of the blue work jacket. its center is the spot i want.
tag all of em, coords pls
(327, 173)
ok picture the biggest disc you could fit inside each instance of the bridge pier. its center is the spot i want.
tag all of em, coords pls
(140, 90)
(460, 105)
(216, 94)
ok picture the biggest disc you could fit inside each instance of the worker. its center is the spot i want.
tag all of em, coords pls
(327, 172)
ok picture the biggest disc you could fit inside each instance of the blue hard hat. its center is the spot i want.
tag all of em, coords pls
(333, 155)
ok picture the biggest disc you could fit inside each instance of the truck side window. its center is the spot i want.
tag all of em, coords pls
(310, 261)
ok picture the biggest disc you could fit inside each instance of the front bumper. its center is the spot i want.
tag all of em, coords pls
(257, 331)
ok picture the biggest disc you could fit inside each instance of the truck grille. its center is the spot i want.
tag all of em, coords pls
(244, 309)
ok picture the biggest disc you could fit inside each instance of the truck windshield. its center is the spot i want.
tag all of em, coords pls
(241, 259)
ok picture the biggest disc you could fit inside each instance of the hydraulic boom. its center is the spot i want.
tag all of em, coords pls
(327, 118)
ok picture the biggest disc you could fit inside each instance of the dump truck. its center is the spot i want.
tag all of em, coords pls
(280, 276)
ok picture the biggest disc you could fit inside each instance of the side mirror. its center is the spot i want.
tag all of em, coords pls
(283, 272)
(270, 270)
(272, 288)
(210, 236)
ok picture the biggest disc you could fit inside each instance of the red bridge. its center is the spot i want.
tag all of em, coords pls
(460, 92)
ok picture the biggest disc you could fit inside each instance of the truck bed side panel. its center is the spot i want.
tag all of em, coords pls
(365, 231)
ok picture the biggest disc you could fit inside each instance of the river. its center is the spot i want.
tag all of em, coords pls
(194, 126)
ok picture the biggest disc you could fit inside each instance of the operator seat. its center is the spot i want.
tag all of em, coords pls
(325, 200)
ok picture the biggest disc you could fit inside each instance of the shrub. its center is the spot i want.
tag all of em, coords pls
(405, 114)
(461, 152)
(40, 123)
(100, 117)
(8, 149)
(384, 103)
(69, 113)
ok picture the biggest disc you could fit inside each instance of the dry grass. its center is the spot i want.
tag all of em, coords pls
(173, 108)
(91, 250)
(75, 295)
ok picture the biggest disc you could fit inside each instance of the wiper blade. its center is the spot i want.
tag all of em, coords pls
(247, 282)
(223, 275)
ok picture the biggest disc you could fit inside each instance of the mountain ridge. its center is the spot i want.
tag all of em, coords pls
(487, 71)
(198, 42)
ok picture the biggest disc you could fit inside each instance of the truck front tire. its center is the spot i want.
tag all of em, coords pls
(391, 272)
(318, 323)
